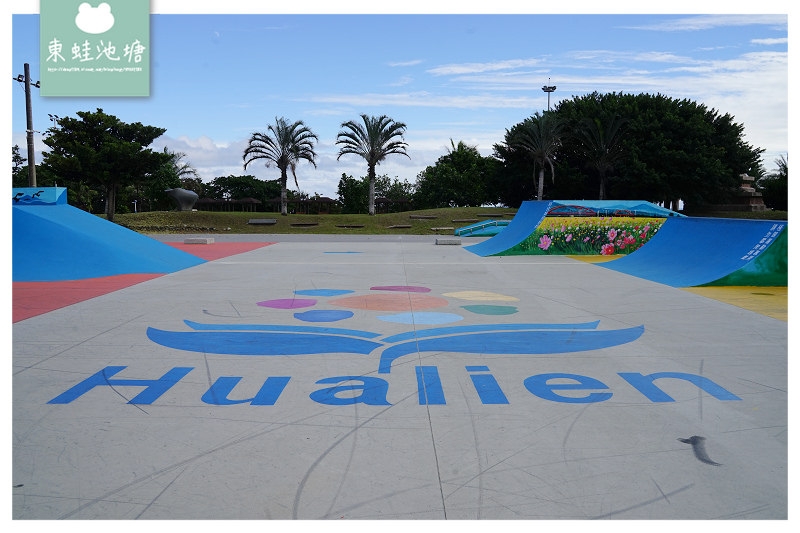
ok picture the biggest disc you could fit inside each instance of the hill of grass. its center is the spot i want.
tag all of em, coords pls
(406, 223)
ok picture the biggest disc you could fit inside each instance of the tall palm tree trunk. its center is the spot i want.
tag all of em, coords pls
(283, 192)
(602, 187)
(541, 184)
(371, 174)
(111, 201)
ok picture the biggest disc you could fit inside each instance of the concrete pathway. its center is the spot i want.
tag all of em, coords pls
(686, 419)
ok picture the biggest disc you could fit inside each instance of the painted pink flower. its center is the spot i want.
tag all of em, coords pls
(569, 237)
(586, 239)
(607, 249)
(629, 239)
(612, 234)
(563, 228)
(545, 241)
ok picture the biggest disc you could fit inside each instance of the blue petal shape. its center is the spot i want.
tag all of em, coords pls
(436, 332)
(513, 342)
(323, 315)
(323, 292)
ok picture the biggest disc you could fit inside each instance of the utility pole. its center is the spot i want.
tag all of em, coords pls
(29, 117)
(548, 89)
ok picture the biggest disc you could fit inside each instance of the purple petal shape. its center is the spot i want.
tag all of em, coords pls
(288, 303)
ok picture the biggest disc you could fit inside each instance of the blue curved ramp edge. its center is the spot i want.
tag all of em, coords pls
(687, 252)
(608, 207)
(528, 217)
(60, 242)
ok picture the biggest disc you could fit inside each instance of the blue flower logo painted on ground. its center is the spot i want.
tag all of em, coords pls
(514, 338)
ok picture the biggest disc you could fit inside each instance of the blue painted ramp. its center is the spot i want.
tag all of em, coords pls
(528, 217)
(687, 252)
(60, 242)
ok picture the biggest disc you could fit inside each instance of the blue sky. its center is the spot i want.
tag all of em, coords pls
(217, 78)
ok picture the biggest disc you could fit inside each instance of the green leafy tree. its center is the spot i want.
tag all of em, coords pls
(18, 167)
(238, 187)
(394, 190)
(283, 145)
(195, 184)
(460, 178)
(373, 140)
(672, 149)
(100, 150)
(354, 193)
(775, 186)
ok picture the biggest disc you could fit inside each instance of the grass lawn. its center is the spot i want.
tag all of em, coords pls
(233, 222)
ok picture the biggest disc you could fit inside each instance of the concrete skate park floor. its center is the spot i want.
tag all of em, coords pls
(605, 449)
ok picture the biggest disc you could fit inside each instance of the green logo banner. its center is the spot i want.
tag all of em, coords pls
(95, 48)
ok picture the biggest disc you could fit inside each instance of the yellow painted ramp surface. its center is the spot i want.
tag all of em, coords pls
(595, 258)
(769, 301)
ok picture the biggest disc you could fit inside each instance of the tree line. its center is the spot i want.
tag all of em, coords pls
(614, 145)
(602, 146)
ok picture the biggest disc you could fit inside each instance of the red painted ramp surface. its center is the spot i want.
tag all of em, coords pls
(33, 298)
(218, 250)
(687, 252)
(528, 217)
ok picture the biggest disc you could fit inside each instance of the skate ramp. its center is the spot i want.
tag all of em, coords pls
(689, 252)
(527, 219)
(53, 241)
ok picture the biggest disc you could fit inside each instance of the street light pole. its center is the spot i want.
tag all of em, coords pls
(29, 117)
(548, 89)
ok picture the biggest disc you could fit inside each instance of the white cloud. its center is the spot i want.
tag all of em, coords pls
(468, 68)
(704, 22)
(782, 40)
(613, 56)
(405, 63)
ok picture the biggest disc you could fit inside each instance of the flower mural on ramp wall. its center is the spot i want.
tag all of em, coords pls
(588, 236)
(405, 305)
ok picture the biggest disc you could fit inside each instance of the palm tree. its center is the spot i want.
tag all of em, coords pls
(540, 137)
(283, 145)
(374, 140)
(179, 167)
(600, 145)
